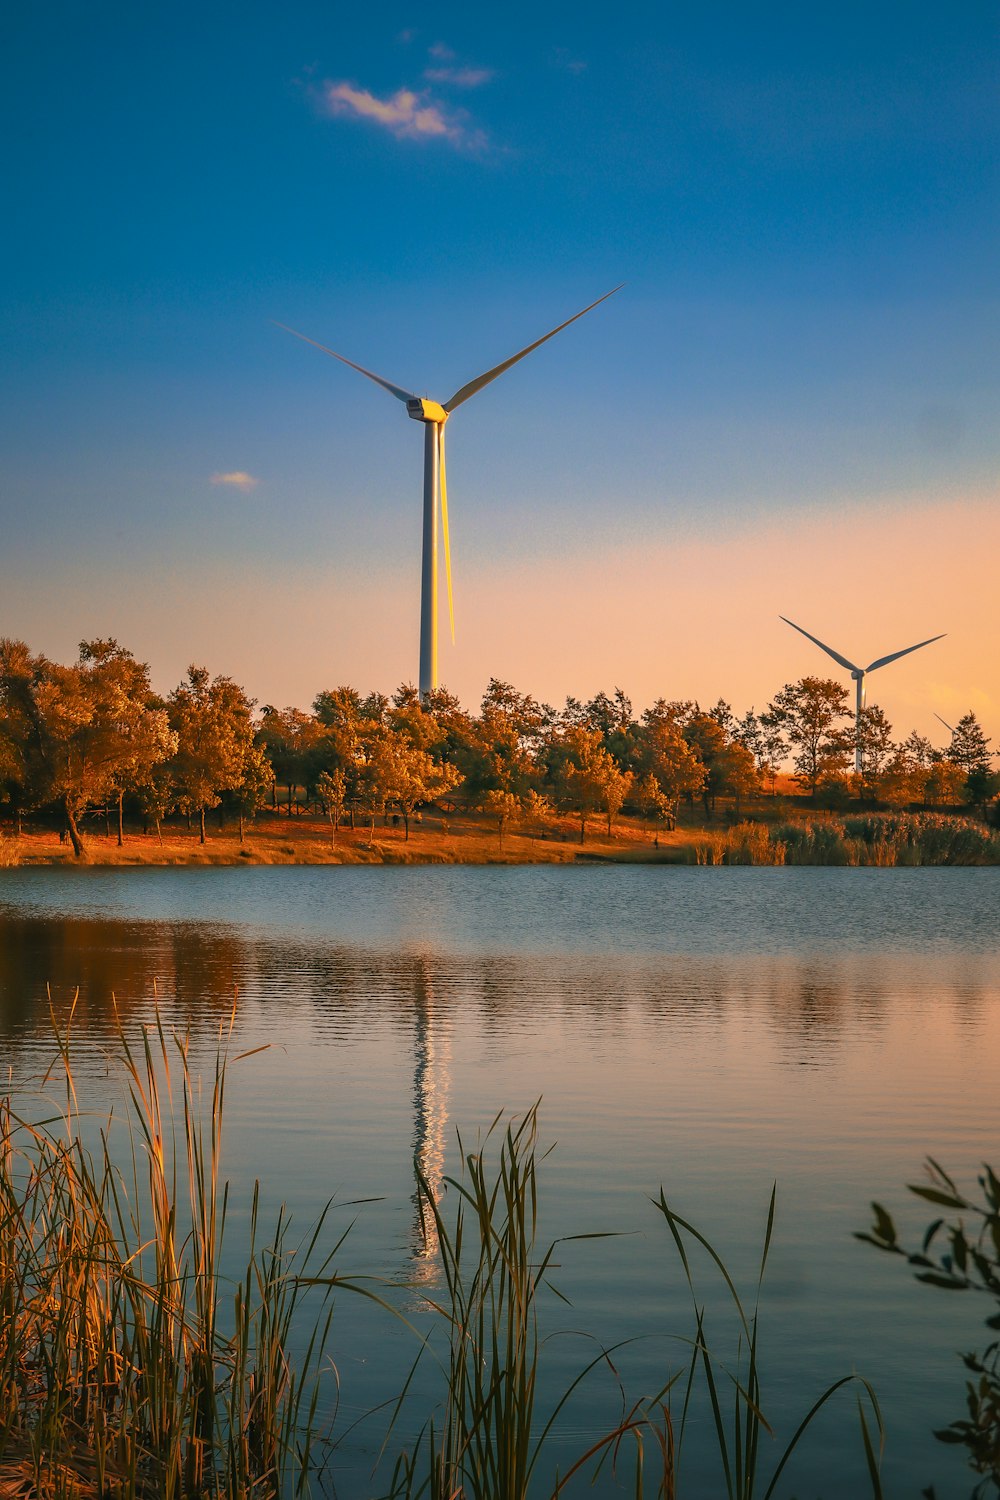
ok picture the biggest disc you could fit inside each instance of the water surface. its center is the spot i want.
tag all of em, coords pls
(708, 1030)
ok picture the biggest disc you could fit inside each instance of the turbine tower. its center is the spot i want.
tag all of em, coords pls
(434, 417)
(860, 673)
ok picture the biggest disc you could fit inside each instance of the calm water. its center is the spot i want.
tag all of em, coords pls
(708, 1030)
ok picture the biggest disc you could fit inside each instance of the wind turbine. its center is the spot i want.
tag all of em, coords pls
(950, 728)
(434, 416)
(860, 673)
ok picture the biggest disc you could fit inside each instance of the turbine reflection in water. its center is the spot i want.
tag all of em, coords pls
(431, 1091)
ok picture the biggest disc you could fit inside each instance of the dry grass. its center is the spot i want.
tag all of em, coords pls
(441, 838)
(782, 831)
(129, 1367)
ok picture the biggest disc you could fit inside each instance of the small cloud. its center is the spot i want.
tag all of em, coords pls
(405, 37)
(416, 115)
(564, 59)
(462, 78)
(442, 52)
(237, 479)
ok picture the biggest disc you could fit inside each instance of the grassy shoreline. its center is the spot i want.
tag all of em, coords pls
(772, 835)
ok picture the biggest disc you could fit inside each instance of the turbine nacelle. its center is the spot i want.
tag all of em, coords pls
(422, 410)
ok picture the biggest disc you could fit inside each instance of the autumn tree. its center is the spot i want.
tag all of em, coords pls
(457, 730)
(375, 773)
(663, 753)
(763, 738)
(504, 808)
(736, 774)
(611, 717)
(588, 778)
(88, 731)
(254, 786)
(154, 793)
(332, 789)
(810, 713)
(708, 739)
(23, 770)
(215, 740)
(969, 746)
(506, 711)
(945, 783)
(339, 714)
(969, 750)
(904, 777)
(873, 738)
(416, 778)
(295, 745)
(653, 804)
(392, 771)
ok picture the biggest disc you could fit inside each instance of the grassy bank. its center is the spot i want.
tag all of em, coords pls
(132, 1365)
(782, 833)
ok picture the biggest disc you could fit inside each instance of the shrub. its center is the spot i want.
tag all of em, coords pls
(971, 1262)
(751, 844)
(817, 844)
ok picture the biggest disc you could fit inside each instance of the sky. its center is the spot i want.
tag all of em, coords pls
(790, 408)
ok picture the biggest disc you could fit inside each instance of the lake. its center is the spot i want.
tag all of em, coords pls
(712, 1031)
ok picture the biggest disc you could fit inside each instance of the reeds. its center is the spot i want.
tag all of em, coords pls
(132, 1366)
(885, 839)
(734, 1391)
(487, 1442)
(129, 1366)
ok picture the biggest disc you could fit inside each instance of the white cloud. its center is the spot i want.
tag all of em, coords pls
(462, 77)
(408, 113)
(237, 479)
(442, 52)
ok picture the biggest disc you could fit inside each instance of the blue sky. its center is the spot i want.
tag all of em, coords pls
(802, 201)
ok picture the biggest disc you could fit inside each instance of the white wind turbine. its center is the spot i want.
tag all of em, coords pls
(435, 483)
(860, 673)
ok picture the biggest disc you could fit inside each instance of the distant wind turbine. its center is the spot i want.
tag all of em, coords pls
(860, 673)
(949, 727)
(435, 483)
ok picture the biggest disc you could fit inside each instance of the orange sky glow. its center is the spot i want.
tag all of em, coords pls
(691, 618)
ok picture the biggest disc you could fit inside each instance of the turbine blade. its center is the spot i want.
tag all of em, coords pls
(949, 727)
(884, 661)
(444, 528)
(387, 385)
(481, 380)
(828, 649)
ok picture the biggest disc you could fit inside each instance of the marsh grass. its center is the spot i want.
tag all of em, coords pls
(132, 1365)
(129, 1366)
(734, 1390)
(882, 839)
(487, 1440)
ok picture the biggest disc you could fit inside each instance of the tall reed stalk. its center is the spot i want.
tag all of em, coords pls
(487, 1442)
(129, 1366)
(734, 1392)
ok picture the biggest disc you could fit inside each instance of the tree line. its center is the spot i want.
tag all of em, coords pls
(94, 735)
